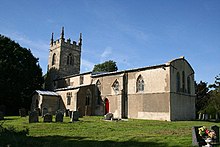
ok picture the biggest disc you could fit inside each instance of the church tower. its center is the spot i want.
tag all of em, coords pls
(64, 57)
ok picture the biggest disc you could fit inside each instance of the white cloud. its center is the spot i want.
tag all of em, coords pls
(107, 52)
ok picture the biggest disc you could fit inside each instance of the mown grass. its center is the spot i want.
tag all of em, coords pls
(94, 131)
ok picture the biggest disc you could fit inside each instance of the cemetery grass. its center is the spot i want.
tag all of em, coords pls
(94, 131)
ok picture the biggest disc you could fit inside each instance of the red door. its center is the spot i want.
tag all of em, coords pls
(106, 106)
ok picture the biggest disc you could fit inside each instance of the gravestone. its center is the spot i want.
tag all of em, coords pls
(70, 114)
(59, 116)
(75, 116)
(197, 140)
(1, 115)
(216, 117)
(67, 112)
(200, 116)
(216, 129)
(108, 116)
(206, 117)
(48, 117)
(44, 111)
(22, 112)
(33, 117)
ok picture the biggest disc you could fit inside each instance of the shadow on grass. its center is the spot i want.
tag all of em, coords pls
(58, 141)
(64, 141)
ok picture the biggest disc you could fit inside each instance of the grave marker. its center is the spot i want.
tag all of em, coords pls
(48, 117)
(33, 117)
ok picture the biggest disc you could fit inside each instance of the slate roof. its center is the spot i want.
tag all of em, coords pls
(47, 93)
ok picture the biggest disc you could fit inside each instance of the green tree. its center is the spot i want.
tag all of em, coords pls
(202, 96)
(20, 75)
(107, 66)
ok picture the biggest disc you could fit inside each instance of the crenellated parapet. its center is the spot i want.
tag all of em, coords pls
(62, 41)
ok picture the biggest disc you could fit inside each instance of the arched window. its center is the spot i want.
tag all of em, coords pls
(54, 59)
(70, 60)
(88, 97)
(183, 81)
(140, 84)
(178, 82)
(115, 87)
(188, 85)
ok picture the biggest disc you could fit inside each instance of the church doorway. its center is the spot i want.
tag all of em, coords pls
(106, 106)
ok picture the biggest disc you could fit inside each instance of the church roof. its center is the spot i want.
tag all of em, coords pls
(51, 93)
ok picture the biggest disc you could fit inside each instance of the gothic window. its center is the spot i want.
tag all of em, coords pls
(115, 87)
(140, 84)
(81, 80)
(183, 81)
(69, 96)
(54, 59)
(188, 85)
(178, 82)
(88, 97)
(70, 60)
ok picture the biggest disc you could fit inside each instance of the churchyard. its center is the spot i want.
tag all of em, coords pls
(94, 131)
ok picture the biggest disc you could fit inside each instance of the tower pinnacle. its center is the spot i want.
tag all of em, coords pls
(80, 40)
(62, 34)
(51, 40)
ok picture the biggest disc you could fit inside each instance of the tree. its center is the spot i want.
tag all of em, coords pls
(107, 66)
(202, 95)
(20, 75)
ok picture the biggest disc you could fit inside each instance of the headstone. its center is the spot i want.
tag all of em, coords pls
(22, 112)
(75, 116)
(33, 117)
(59, 116)
(216, 116)
(206, 117)
(108, 116)
(216, 129)
(48, 117)
(1, 115)
(44, 111)
(200, 116)
(70, 114)
(67, 112)
(197, 140)
(203, 116)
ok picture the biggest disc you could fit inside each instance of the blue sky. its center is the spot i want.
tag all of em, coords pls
(134, 33)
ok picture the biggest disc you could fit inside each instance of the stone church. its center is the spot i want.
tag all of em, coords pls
(160, 92)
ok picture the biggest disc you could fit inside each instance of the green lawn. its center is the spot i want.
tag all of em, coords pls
(93, 131)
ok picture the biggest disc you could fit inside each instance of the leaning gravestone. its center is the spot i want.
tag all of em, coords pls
(33, 117)
(48, 117)
(59, 116)
(75, 116)
(1, 115)
(108, 116)
(22, 112)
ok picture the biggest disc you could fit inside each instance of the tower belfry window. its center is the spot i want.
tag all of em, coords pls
(54, 59)
(70, 60)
